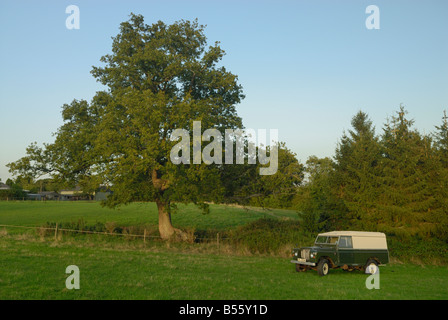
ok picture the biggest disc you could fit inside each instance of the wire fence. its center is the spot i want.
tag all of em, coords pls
(145, 236)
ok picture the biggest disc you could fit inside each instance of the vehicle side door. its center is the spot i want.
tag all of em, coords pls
(345, 251)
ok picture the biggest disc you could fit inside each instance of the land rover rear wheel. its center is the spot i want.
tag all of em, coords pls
(323, 267)
(371, 266)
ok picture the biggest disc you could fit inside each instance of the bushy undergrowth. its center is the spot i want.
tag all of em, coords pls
(70, 228)
(79, 225)
(271, 236)
(423, 251)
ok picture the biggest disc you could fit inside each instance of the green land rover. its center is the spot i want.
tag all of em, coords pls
(349, 250)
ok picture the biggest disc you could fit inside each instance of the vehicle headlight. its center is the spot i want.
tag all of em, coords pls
(313, 254)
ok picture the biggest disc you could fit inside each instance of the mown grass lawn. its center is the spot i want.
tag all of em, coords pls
(37, 213)
(35, 269)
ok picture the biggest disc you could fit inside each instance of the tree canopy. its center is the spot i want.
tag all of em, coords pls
(159, 78)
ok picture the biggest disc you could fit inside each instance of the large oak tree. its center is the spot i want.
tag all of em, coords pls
(158, 78)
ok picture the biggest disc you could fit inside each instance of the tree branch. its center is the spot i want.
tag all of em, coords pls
(159, 184)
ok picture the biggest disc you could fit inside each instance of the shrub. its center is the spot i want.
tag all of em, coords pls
(269, 235)
(427, 251)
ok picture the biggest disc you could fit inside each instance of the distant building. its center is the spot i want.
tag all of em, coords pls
(67, 195)
(34, 196)
(102, 193)
(4, 186)
(72, 194)
(49, 195)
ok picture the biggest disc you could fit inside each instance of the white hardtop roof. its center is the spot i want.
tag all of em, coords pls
(352, 233)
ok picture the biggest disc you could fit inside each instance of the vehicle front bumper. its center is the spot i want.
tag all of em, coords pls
(304, 263)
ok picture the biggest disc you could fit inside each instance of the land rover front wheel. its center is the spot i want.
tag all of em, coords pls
(322, 267)
(301, 268)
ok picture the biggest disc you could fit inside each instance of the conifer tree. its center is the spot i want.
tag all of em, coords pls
(406, 193)
(357, 173)
(441, 140)
(440, 216)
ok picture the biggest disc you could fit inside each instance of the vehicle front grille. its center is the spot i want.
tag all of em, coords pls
(305, 254)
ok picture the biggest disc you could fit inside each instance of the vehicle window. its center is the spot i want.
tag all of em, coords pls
(321, 239)
(345, 242)
(332, 240)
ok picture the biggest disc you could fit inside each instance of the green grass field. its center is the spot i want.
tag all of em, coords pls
(32, 267)
(37, 213)
(36, 270)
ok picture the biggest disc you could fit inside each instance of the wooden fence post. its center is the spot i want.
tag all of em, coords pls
(144, 238)
(56, 233)
(217, 240)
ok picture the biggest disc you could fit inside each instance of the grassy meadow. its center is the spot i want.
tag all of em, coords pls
(37, 213)
(32, 266)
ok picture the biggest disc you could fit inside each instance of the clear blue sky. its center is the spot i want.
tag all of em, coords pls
(306, 66)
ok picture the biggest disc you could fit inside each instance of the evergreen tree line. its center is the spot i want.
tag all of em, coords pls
(395, 182)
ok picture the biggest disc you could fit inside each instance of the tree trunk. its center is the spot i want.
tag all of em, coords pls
(166, 228)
